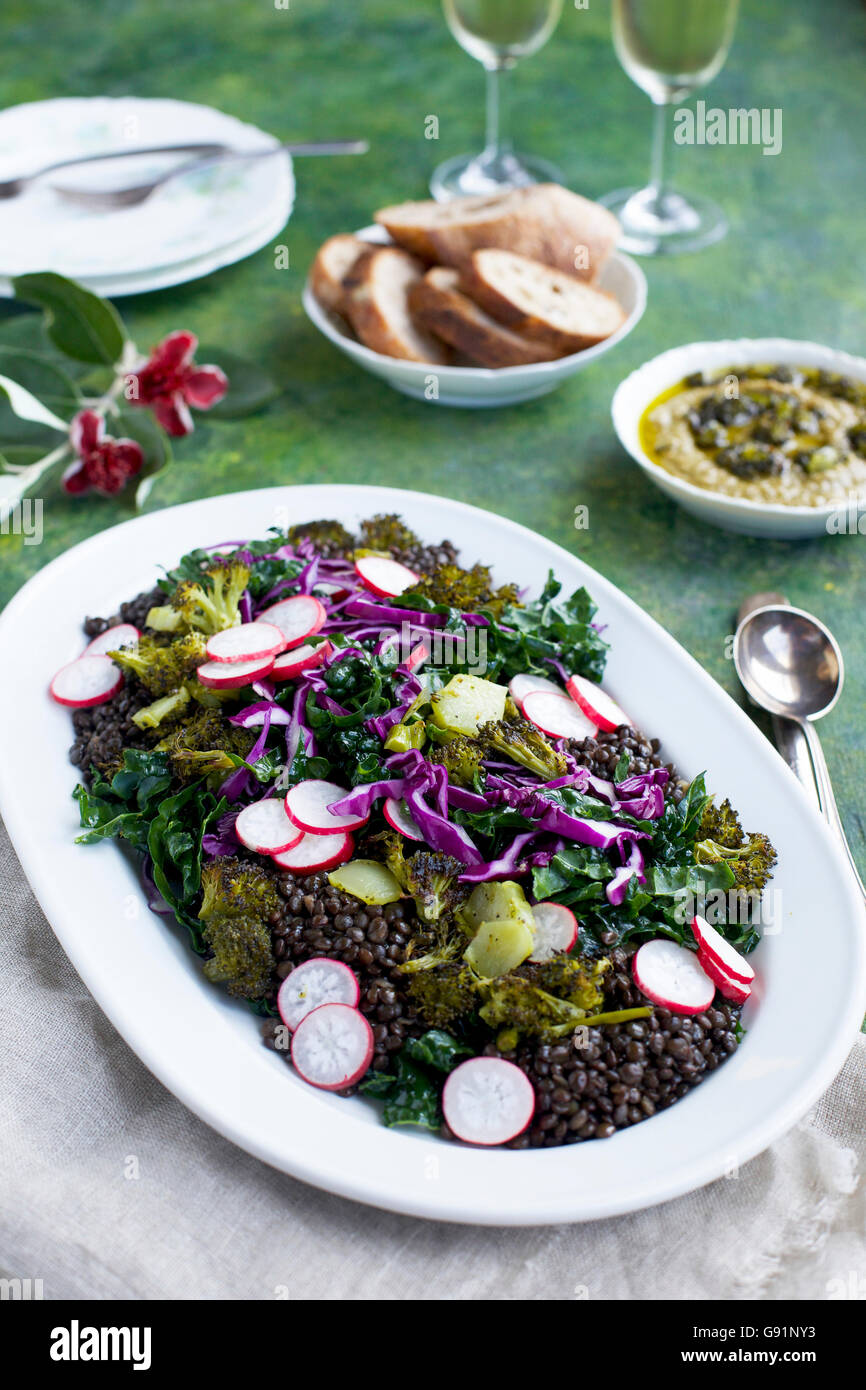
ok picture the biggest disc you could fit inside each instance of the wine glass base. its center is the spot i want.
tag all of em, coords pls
(482, 174)
(665, 226)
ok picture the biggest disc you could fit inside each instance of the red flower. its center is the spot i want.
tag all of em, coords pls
(103, 463)
(170, 382)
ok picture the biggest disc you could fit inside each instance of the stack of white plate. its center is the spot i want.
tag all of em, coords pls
(191, 226)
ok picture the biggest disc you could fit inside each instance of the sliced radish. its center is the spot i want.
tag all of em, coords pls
(672, 976)
(728, 986)
(329, 590)
(398, 816)
(297, 618)
(250, 642)
(557, 715)
(604, 712)
(384, 576)
(299, 659)
(524, 684)
(263, 826)
(314, 852)
(555, 930)
(417, 656)
(91, 680)
(231, 675)
(318, 981)
(112, 640)
(332, 1047)
(307, 805)
(714, 946)
(487, 1101)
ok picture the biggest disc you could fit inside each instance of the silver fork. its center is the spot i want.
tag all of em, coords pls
(205, 156)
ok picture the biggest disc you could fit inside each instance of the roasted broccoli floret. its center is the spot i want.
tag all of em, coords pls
(461, 757)
(430, 877)
(521, 741)
(237, 901)
(750, 856)
(207, 605)
(329, 538)
(468, 590)
(525, 1000)
(443, 993)
(202, 744)
(387, 533)
(162, 667)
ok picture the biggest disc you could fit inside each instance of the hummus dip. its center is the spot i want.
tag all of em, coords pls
(792, 435)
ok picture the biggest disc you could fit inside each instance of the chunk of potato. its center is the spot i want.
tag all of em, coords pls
(467, 702)
(368, 880)
(490, 902)
(499, 946)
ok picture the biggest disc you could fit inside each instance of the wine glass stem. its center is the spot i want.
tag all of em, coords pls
(659, 151)
(496, 143)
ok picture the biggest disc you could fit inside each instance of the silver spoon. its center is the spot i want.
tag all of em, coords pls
(787, 736)
(791, 665)
(204, 157)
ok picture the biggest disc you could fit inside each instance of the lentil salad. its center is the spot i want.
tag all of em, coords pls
(615, 837)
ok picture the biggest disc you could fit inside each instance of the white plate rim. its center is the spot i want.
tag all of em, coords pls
(561, 366)
(147, 282)
(165, 274)
(807, 354)
(472, 1181)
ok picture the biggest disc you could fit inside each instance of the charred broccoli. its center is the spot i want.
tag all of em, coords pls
(521, 741)
(163, 667)
(543, 1002)
(208, 604)
(443, 993)
(468, 590)
(721, 838)
(329, 538)
(237, 901)
(430, 877)
(202, 745)
(387, 533)
(461, 757)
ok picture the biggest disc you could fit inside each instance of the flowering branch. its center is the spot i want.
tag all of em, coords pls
(81, 327)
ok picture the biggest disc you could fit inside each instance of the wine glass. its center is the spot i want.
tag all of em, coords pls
(497, 33)
(669, 48)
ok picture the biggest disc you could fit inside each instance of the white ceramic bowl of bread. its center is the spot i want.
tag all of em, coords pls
(778, 521)
(490, 283)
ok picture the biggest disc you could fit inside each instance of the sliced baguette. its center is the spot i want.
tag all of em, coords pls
(440, 306)
(333, 262)
(546, 222)
(541, 303)
(377, 306)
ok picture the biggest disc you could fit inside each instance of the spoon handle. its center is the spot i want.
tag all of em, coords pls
(791, 741)
(829, 809)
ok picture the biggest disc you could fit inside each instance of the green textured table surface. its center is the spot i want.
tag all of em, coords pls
(793, 264)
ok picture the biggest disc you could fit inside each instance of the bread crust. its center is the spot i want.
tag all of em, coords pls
(440, 305)
(541, 303)
(377, 306)
(546, 223)
(334, 261)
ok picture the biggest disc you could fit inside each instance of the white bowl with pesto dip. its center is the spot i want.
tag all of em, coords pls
(749, 447)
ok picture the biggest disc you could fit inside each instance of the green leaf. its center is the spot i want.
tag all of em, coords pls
(78, 322)
(437, 1049)
(250, 388)
(25, 405)
(410, 1096)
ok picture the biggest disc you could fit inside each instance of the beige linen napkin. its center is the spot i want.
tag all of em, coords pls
(110, 1188)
